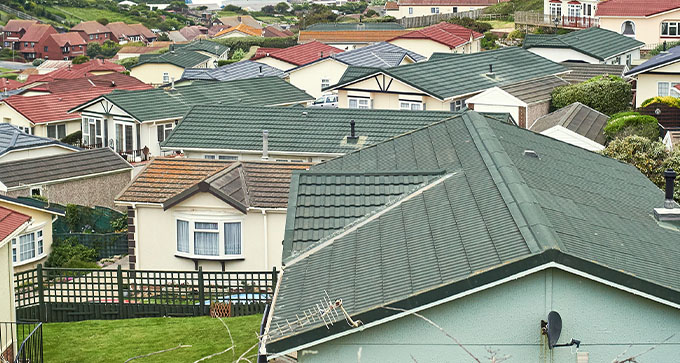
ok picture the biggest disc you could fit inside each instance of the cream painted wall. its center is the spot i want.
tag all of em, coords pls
(388, 101)
(309, 78)
(279, 64)
(647, 30)
(647, 83)
(11, 116)
(157, 243)
(34, 153)
(152, 73)
(41, 221)
(426, 47)
(562, 55)
(421, 10)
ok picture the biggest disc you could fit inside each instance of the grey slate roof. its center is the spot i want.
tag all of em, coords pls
(576, 117)
(659, 60)
(581, 72)
(52, 168)
(381, 54)
(494, 212)
(464, 74)
(310, 130)
(240, 70)
(159, 104)
(181, 58)
(535, 90)
(596, 42)
(214, 48)
(11, 138)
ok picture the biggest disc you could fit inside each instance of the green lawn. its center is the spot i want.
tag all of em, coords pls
(93, 14)
(117, 340)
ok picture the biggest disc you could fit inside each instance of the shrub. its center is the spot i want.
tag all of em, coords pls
(632, 123)
(223, 62)
(489, 41)
(37, 62)
(478, 26)
(80, 59)
(609, 95)
(103, 21)
(73, 217)
(244, 43)
(667, 100)
(129, 62)
(659, 48)
(73, 138)
(68, 253)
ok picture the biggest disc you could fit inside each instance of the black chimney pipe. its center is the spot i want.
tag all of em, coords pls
(490, 68)
(670, 175)
(664, 45)
(352, 131)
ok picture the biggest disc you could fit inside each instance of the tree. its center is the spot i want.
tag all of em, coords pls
(632, 123)
(94, 49)
(103, 21)
(650, 157)
(177, 6)
(318, 14)
(607, 94)
(472, 24)
(282, 7)
(370, 13)
(37, 62)
(80, 59)
(163, 37)
(129, 62)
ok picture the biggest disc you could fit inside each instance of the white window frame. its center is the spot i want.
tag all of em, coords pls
(361, 103)
(457, 105)
(410, 11)
(410, 105)
(325, 82)
(670, 25)
(167, 129)
(574, 10)
(221, 221)
(227, 157)
(434, 10)
(24, 129)
(124, 147)
(38, 251)
(166, 77)
(98, 138)
(209, 157)
(556, 10)
(669, 87)
(55, 128)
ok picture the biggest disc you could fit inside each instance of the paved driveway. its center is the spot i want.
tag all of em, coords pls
(15, 65)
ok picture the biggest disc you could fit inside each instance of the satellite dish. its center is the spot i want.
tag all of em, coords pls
(553, 328)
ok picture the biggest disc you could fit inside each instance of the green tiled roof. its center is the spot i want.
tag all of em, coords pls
(318, 27)
(487, 212)
(292, 129)
(208, 46)
(161, 104)
(595, 42)
(456, 76)
(180, 58)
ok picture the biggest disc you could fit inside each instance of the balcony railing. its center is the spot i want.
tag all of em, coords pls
(129, 155)
(564, 21)
(21, 342)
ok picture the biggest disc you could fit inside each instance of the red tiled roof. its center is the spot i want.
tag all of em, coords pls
(9, 84)
(15, 25)
(144, 31)
(391, 5)
(245, 29)
(351, 36)
(212, 30)
(91, 27)
(272, 31)
(77, 71)
(10, 221)
(121, 30)
(300, 54)
(139, 50)
(448, 2)
(635, 7)
(120, 81)
(35, 32)
(451, 35)
(72, 39)
(55, 106)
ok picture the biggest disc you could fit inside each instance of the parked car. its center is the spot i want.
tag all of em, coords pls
(328, 101)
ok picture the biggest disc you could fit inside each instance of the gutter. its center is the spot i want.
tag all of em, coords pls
(22, 186)
(254, 152)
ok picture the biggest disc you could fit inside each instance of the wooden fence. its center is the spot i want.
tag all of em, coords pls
(63, 295)
(427, 20)
(534, 18)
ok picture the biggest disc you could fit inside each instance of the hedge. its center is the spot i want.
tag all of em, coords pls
(609, 95)
(244, 43)
(666, 100)
(632, 123)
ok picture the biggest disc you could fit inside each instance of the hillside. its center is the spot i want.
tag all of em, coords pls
(509, 8)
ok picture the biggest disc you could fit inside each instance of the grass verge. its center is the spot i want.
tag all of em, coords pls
(118, 340)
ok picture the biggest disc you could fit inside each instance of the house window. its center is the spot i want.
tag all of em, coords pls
(124, 137)
(36, 192)
(91, 36)
(457, 105)
(30, 246)
(410, 10)
(45, 48)
(455, 9)
(410, 105)
(166, 77)
(209, 157)
(209, 238)
(362, 103)
(434, 10)
(617, 60)
(574, 10)
(629, 60)
(556, 10)
(163, 131)
(669, 28)
(227, 157)
(92, 131)
(668, 89)
(628, 28)
(56, 131)
(325, 83)
(24, 129)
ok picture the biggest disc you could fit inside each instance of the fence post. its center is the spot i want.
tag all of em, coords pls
(41, 295)
(119, 277)
(201, 292)
(275, 279)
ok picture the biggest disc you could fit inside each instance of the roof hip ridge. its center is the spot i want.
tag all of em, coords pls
(523, 205)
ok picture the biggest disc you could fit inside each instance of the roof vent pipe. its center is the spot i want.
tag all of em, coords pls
(491, 74)
(352, 131)
(664, 46)
(265, 145)
(261, 73)
(670, 175)
(172, 85)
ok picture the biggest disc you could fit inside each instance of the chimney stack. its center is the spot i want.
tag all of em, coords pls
(669, 212)
(265, 145)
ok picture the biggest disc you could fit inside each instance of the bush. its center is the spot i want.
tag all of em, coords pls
(129, 62)
(609, 95)
(667, 100)
(489, 41)
(103, 21)
(80, 59)
(659, 48)
(73, 217)
(478, 26)
(37, 62)
(244, 43)
(223, 62)
(73, 138)
(68, 253)
(632, 123)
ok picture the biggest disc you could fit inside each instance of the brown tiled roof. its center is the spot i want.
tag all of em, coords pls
(353, 36)
(272, 31)
(144, 31)
(391, 5)
(68, 38)
(262, 184)
(240, 19)
(245, 29)
(15, 25)
(91, 27)
(36, 32)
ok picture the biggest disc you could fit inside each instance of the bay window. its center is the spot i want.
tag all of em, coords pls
(209, 238)
(28, 247)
